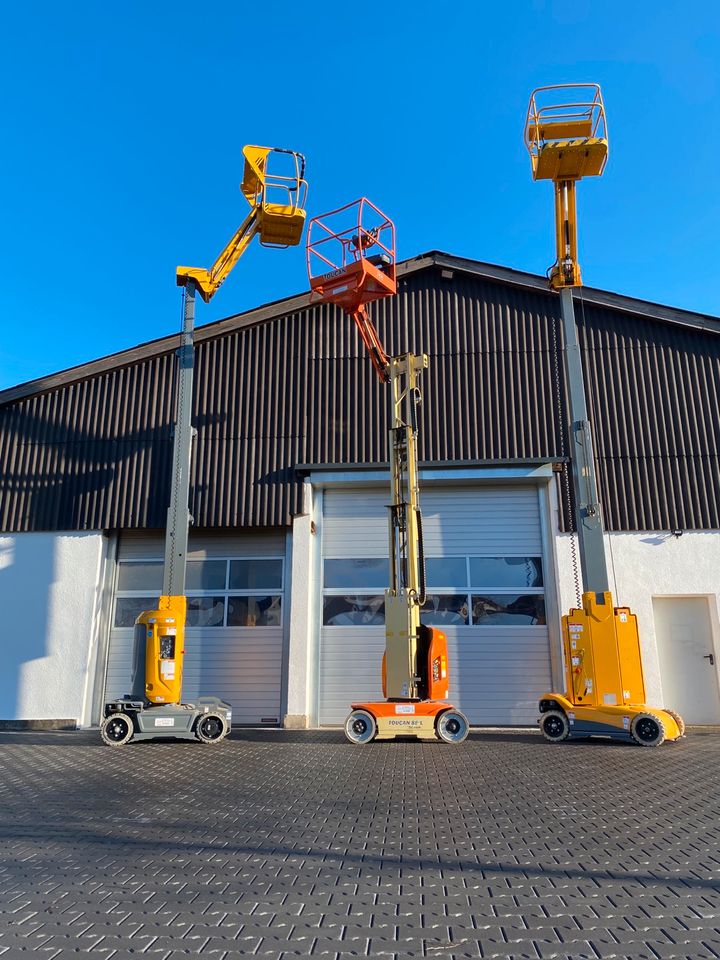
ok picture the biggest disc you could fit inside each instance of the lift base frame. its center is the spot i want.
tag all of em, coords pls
(614, 722)
(405, 718)
(171, 720)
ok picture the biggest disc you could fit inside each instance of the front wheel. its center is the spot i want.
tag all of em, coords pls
(555, 726)
(360, 726)
(452, 726)
(211, 728)
(647, 730)
(117, 729)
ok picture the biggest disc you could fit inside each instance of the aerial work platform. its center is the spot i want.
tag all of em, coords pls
(567, 139)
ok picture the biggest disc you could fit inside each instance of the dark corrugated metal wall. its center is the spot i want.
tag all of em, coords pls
(96, 453)
(654, 390)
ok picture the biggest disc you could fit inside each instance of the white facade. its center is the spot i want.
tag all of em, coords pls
(644, 566)
(50, 595)
(56, 593)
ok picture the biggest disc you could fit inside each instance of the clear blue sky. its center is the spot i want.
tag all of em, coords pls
(123, 126)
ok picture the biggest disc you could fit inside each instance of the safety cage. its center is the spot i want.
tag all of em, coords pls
(566, 132)
(351, 255)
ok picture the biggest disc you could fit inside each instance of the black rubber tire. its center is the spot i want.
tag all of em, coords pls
(117, 729)
(678, 720)
(211, 728)
(555, 726)
(452, 726)
(360, 727)
(647, 730)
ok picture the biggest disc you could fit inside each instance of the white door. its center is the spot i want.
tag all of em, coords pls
(688, 665)
(486, 591)
(236, 612)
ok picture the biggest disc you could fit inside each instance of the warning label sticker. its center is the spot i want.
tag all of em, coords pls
(164, 722)
(404, 708)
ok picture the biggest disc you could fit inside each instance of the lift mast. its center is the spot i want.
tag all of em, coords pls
(351, 262)
(566, 137)
(274, 186)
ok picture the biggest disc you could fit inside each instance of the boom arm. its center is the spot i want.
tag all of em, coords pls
(406, 594)
(279, 224)
(209, 281)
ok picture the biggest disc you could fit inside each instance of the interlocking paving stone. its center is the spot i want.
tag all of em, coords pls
(281, 845)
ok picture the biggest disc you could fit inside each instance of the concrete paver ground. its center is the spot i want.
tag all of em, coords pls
(280, 845)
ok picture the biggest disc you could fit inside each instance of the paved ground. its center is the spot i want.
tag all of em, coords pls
(281, 845)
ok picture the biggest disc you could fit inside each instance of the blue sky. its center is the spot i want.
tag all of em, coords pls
(123, 126)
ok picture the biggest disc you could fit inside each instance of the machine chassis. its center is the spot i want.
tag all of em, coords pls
(181, 721)
(422, 719)
(617, 722)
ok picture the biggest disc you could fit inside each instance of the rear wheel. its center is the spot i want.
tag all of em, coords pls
(647, 730)
(452, 726)
(117, 729)
(211, 728)
(360, 726)
(555, 726)
(678, 720)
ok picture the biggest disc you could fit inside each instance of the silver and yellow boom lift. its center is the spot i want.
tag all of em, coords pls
(275, 188)
(566, 136)
(351, 262)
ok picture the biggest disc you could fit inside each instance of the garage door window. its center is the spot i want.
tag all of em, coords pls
(220, 592)
(507, 591)
(462, 591)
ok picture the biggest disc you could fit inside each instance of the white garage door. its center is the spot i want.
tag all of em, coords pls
(234, 637)
(486, 576)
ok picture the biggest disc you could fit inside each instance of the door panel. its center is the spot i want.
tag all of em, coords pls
(685, 644)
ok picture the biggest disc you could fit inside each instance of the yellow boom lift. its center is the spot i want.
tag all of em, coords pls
(274, 186)
(351, 262)
(566, 136)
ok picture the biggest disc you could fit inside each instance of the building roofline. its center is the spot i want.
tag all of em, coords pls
(616, 301)
(293, 304)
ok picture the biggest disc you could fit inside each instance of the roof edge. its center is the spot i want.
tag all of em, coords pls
(605, 298)
(278, 308)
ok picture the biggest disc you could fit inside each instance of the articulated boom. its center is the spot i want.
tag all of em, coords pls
(351, 262)
(154, 708)
(277, 213)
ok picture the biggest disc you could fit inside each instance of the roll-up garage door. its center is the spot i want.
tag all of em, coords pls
(236, 610)
(486, 578)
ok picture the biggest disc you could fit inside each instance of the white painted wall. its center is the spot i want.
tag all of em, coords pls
(49, 595)
(302, 607)
(644, 565)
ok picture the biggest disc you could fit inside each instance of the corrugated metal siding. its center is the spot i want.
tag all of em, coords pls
(96, 453)
(654, 392)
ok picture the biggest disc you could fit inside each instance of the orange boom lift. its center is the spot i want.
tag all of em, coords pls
(351, 263)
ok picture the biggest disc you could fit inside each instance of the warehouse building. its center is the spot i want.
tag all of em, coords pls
(288, 550)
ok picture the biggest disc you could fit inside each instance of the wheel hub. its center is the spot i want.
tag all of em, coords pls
(212, 728)
(647, 729)
(117, 729)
